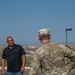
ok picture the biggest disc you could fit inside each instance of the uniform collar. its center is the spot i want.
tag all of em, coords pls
(46, 43)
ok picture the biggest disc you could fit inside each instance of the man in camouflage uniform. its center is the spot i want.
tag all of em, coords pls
(51, 57)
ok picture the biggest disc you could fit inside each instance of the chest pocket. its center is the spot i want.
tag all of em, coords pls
(13, 54)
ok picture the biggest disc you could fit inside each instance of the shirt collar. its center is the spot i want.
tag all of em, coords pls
(12, 47)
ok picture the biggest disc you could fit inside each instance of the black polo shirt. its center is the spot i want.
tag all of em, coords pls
(13, 56)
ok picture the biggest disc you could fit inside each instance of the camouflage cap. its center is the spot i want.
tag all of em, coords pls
(44, 32)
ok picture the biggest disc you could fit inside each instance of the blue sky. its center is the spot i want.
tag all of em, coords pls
(22, 19)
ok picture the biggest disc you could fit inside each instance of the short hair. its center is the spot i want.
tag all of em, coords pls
(9, 37)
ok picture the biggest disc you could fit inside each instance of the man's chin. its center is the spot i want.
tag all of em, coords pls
(11, 45)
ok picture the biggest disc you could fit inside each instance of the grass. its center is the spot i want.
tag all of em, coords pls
(28, 61)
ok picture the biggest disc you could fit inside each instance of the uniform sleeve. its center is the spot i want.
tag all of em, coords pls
(35, 64)
(3, 55)
(22, 50)
(68, 53)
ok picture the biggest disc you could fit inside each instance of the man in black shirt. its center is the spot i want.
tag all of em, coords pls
(16, 58)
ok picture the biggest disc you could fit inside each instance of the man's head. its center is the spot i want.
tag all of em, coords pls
(10, 41)
(44, 35)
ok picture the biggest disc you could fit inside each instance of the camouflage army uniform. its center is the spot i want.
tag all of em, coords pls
(50, 58)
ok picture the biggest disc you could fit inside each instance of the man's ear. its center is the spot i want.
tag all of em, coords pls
(50, 36)
(39, 37)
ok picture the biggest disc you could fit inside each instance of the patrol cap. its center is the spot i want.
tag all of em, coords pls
(44, 32)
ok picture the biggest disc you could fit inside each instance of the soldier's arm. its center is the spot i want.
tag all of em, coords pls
(68, 53)
(35, 64)
(70, 47)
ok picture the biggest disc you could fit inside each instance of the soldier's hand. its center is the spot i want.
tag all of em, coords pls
(68, 72)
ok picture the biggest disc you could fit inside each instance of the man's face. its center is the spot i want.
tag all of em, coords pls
(10, 41)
